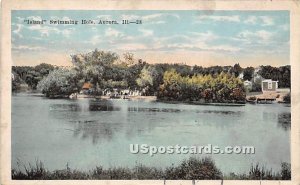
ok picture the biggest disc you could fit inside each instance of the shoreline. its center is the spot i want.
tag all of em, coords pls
(201, 103)
(148, 99)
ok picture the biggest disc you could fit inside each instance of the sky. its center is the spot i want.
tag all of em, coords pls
(204, 38)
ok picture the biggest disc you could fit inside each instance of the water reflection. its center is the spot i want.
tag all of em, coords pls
(219, 112)
(145, 109)
(95, 119)
(95, 130)
(65, 107)
(284, 120)
(88, 105)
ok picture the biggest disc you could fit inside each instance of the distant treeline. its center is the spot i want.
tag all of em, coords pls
(107, 70)
(30, 75)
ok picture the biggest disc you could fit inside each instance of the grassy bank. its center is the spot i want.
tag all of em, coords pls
(193, 168)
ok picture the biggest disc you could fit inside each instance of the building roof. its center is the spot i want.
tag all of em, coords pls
(269, 80)
(87, 85)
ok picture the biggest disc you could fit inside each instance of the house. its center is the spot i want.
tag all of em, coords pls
(86, 88)
(269, 85)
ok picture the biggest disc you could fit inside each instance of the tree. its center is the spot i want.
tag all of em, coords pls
(236, 70)
(147, 79)
(44, 69)
(282, 74)
(248, 73)
(221, 87)
(60, 82)
(94, 65)
(15, 82)
(32, 75)
(147, 76)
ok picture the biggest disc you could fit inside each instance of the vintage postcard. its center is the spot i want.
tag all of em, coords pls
(169, 92)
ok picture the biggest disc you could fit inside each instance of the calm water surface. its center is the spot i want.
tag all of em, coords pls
(85, 133)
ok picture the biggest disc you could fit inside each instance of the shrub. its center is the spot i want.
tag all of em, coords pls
(285, 171)
(287, 98)
(252, 98)
(190, 169)
(60, 82)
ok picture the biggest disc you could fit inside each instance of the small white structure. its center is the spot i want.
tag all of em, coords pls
(248, 84)
(269, 85)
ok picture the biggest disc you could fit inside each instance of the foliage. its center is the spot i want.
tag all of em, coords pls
(218, 88)
(194, 168)
(60, 82)
(190, 169)
(16, 82)
(285, 172)
(110, 84)
(281, 74)
(252, 98)
(258, 172)
(236, 70)
(147, 76)
(248, 73)
(256, 85)
(287, 98)
(94, 65)
(107, 70)
(148, 80)
(30, 75)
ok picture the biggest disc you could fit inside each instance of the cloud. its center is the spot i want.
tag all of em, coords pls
(110, 32)
(132, 47)
(67, 32)
(130, 17)
(264, 35)
(104, 16)
(285, 27)
(157, 22)
(233, 18)
(197, 41)
(35, 18)
(251, 20)
(262, 20)
(28, 48)
(18, 30)
(146, 32)
(95, 40)
(203, 47)
(204, 36)
(20, 19)
(44, 30)
(261, 36)
(267, 21)
(152, 16)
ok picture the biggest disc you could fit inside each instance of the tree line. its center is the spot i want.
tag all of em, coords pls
(107, 70)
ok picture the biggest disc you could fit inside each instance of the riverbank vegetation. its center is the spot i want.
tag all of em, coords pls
(107, 71)
(223, 87)
(190, 169)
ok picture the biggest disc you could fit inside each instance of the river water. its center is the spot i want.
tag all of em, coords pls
(86, 133)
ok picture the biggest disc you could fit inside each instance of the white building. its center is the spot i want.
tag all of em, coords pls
(268, 85)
